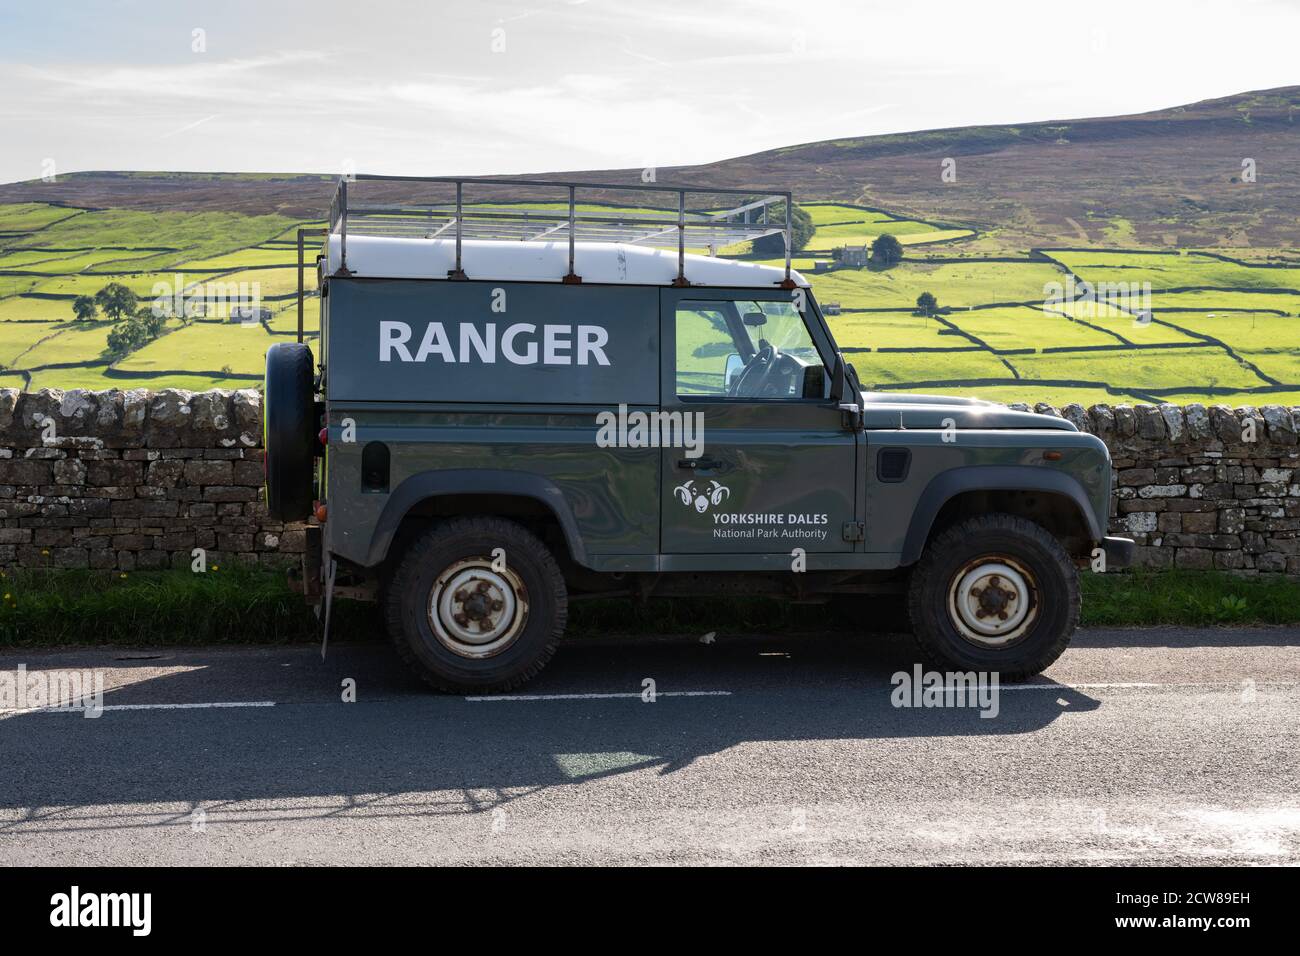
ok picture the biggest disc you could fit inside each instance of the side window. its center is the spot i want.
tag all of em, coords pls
(782, 327)
(746, 349)
(703, 343)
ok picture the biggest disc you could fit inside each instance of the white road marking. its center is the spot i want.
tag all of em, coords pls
(1216, 683)
(1005, 687)
(632, 695)
(82, 708)
(662, 693)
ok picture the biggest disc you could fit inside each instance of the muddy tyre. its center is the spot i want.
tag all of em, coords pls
(995, 592)
(469, 620)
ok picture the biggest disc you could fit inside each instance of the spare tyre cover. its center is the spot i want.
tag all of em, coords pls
(289, 431)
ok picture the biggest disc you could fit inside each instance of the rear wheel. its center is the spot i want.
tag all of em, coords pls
(476, 604)
(289, 431)
(994, 593)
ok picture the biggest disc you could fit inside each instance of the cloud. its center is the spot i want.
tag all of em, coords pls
(198, 78)
(607, 83)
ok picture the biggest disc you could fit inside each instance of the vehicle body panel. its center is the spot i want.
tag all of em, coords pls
(610, 495)
(531, 430)
(947, 463)
(783, 472)
(400, 340)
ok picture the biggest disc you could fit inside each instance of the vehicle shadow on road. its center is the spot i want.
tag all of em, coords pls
(403, 750)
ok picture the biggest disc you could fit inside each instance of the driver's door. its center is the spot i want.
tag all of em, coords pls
(775, 469)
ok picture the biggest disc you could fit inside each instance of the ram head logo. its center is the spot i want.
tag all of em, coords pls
(691, 495)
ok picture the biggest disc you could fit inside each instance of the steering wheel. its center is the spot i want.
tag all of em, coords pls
(757, 380)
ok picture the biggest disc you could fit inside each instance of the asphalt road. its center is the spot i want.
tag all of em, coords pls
(1151, 746)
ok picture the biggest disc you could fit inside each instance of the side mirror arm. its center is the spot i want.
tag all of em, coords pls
(844, 396)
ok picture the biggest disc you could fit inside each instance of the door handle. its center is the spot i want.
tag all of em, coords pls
(697, 464)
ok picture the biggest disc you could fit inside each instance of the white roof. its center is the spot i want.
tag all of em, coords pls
(596, 262)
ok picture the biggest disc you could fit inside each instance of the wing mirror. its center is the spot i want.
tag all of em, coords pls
(735, 365)
(844, 395)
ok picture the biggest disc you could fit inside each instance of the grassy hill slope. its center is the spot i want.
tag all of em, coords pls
(1155, 198)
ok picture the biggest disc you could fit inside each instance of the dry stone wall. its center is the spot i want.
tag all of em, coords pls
(1202, 487)
(131, 480)
(136, 479)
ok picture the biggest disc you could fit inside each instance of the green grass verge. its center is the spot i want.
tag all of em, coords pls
(241, 606)
(1188, 598)
(223, 606)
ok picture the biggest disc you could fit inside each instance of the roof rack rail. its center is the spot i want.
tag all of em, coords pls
(302, 265)
(529, 220)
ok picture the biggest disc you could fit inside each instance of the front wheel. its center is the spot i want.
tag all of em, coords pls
(994, 593)
(476, 604)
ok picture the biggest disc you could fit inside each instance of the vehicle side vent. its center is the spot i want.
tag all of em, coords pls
(374, 467)
(892, 463)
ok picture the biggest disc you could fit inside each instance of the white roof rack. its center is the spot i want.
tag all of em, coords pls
(601, 262)
(549, 225)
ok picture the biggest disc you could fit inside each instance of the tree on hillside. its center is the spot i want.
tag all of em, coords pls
(927, 303)
(116, 301)
(886, 251)
(85, 308)
(135, 331)
(124, 337)
(801, 228)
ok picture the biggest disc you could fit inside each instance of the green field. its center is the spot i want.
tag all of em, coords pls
(956, 285)
(1140, 369)
(31, 216)
(18, 337)
(285, 321)
(202, 346)
(1174, 271)
(1126, 326)
(64, 262)
(1019, 327)
(187, 236)
(839, 224)
(99, 379)
(269, 283)
(1219, 301)
(1221, 340)
(893, 330)
(16, 308)
(1270, 342)
(68, 342)
(34, 258)
(881, 369)
(244, 258)
(141, 283)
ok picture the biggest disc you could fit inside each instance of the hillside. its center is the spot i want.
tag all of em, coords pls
(1154, 201)
(1166, 179)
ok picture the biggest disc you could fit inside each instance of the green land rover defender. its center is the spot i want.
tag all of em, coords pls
(519, 402)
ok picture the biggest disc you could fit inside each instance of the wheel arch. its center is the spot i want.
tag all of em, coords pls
(1052, 498)
(421, 493)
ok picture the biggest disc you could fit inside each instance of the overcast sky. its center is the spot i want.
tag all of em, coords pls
(443, 88)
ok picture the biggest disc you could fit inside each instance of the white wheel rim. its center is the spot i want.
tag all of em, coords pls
(475, 611)
(992, 601)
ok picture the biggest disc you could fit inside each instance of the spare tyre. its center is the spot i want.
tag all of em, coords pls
(289, 431)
